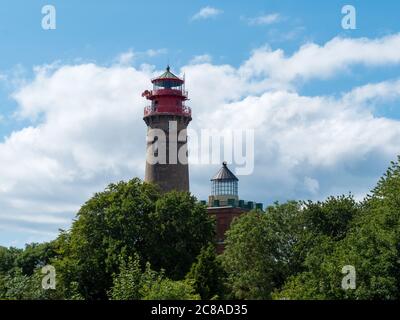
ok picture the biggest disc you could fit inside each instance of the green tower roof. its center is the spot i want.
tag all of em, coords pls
(168, 75)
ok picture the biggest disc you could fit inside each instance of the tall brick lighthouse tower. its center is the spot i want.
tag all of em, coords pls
(167, 118)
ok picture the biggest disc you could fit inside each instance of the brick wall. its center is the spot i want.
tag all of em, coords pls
(224, 217)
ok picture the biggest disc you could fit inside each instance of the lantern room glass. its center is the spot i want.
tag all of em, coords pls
(224, 187)
(167, 84)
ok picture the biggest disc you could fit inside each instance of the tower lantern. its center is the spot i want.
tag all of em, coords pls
(166, 159)
(224, 187)
(224, 183)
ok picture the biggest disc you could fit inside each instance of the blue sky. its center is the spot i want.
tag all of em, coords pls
(317, 133)
(100, 30)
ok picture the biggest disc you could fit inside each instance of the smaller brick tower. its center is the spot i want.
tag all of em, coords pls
(224, 203)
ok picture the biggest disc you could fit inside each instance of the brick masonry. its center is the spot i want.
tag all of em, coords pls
(224, 217)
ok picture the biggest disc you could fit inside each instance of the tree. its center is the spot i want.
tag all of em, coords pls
(8, 257)
(18, 286)
(331, 217)
(35, 255)
(109, 225)
(133, 283)
(321, 278)
(207, 274)
(249, 257)
(128, 283)
(263, 250)
(131, 218)
(373, 246)
(285, 223)
(370, 244)
(179, 227)
(21, 276)
(167, 289)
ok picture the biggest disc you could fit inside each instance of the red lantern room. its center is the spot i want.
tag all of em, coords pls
(168, 96)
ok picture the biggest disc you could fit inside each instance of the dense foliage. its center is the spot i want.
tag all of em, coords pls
(127, 220)
(133, 283)
(131, 242)
(207, 274)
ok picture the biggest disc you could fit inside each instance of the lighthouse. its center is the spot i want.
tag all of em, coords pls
(167, 118)
(224, 203)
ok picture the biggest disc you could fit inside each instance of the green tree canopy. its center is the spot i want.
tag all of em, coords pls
(249, 257)
(179, 228)
(264, 250)
(207, 274)
(131, 218)
(134, 283)
(371, 244)
(8, 259)
(167, 289)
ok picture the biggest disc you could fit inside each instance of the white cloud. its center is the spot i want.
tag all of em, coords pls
(266, 19)
(85, 138)
(313, 61)
(206, 13)
(200, 59)
(318, 131)
(374, 93)
(279, 35)
(312, 185)
(342, 145)
(126, 58)
(156, 52)
(87, 130)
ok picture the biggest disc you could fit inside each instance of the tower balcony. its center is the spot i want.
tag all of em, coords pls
(166, 92)
(174, 110)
